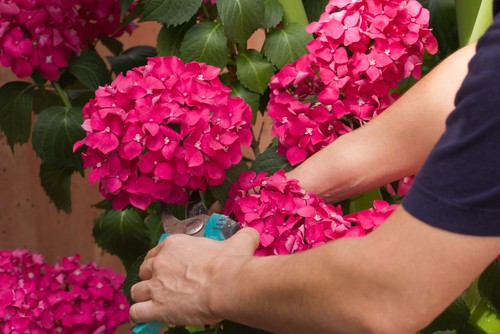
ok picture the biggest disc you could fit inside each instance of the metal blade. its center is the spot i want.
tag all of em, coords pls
(195, 206)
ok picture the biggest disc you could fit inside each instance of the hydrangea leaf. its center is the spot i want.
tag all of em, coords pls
(364, 201)
(54, 133)
(284, 46)
(43, 99)
(90, 69)
(453, 319)
(15, 111)
(56, 181)
(155, 228)
(133, 57)
(273, 13)
(251, 98)
(205, 42)
(132, 277)
(253, 70)
(269, 161)
(168, 42)
(241, 18)
(170, 12)
(112, 44)
(314, 8)
(232, 175)
(122, 233)
(489, 285)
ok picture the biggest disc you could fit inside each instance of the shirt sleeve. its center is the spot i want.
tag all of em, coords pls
(458, 187)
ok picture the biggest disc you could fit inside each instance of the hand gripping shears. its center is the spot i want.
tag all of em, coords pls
(197, 223)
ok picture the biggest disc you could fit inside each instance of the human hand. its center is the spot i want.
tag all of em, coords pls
(184, 278)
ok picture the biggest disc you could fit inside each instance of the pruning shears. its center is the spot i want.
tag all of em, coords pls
(197, 223)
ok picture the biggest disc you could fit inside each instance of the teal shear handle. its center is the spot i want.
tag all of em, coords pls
(218, 227)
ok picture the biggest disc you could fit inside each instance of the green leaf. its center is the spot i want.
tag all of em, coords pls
(455, 317)
(168, 42)
(155, 228)
(251, 98)
(205, 42)
(122, 233)
(284, 46)
(56, 130)
(132, 277)
(133, 57)
(232, 175)
(241, 18)
(485, 318)
(90, 69)
(269, 161)
(364, 201)
(56, 181)
(171, 12)
(273, 13)
(112, 44)
(125, 5)
(15, 111)
(42, 99)
(489, 285)
(253, 71)
(314, 8)
(235, 328)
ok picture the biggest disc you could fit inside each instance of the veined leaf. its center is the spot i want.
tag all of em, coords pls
(56, 130)
(270, 162)
(122, 233)
(170, 12)
(273, 13)
(241, 18)
(284, 46)
(125, 5)
(232, 175)
(15, 111)
(253, 70)
(168, 42)
(205, 42)
(251, 98)
(112, 44)
(133, 57)
(90, 69)
(314, 8)
(56, 181)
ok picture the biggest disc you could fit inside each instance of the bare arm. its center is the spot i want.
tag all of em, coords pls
(391, 146)
(386, 282)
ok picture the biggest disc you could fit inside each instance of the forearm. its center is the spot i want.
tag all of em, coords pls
(393, 145)
(383, 283)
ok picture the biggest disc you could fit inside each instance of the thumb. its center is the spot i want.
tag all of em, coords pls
(247, 239)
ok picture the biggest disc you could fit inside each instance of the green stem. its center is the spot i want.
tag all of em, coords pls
(62, 95)
(294, 12)
(473, 18)
(485, 318)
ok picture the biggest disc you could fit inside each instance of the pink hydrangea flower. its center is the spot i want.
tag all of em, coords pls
(162, 130)
(362, 50)
(366, 221)
(36, 297)
(288, 218)
(44, 34)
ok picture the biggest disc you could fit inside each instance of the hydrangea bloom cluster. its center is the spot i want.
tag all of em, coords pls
(162, 130)
(361, 51)
(44, 34)
(366, 221)
(68, 297)
(288, 218)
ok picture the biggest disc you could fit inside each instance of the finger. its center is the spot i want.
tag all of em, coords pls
(246, 238)
(143, 312)
(146, 270)
(140, 292)
(154, 251)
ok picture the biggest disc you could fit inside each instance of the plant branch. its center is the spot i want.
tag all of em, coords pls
(62, 95)
(256, 142)
(294, 11)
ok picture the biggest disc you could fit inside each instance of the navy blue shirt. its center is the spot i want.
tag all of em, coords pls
(458, 187)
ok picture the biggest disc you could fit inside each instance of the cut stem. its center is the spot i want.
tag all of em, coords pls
(62, 95)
